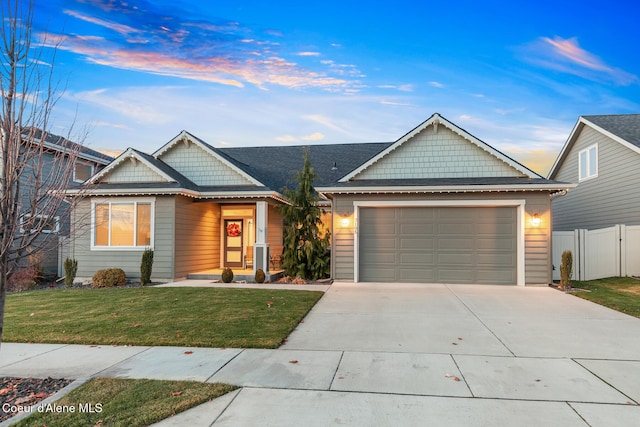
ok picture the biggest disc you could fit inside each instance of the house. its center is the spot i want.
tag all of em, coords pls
(52, 165)
(599, 221)
(437, 205)
(602, 156)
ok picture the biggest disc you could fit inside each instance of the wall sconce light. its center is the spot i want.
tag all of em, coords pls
(345, 220)
(535, 220)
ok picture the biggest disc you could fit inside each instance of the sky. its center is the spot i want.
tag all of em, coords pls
(516, 75)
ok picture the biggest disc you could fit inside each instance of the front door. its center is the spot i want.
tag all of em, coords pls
(233, 242)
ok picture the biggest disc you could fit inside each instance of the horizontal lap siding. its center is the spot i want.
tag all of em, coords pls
(90, 261)
(197, 236)
(609, 199)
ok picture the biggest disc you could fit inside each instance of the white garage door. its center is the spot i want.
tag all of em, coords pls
(438, 244)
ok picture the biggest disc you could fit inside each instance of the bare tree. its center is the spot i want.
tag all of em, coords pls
(33, 174)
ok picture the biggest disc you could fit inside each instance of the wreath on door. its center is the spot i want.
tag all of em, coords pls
(233, 230)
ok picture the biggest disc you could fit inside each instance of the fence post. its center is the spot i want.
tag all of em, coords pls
(579, 259)
(622, 249)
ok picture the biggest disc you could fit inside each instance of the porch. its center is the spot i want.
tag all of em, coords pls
(239, 275)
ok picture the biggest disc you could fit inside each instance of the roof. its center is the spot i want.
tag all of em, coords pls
(626, 126)
(622, 128)
(59, 143)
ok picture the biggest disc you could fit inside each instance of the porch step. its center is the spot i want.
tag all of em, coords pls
(271, 277)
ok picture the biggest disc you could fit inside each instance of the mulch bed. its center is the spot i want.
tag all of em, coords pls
(27, 391)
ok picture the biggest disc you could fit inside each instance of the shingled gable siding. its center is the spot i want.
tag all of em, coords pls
(201, 167)
(441, 154)
(197, 245)
(537, 239)
(90, 261)
(609, 199)
(132, 172)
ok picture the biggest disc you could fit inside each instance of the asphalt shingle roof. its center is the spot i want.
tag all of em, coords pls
(626, 126)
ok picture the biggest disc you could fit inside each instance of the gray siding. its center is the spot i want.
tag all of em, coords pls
(90, 261)
(613, 197)
(537, 239)
(197, 236)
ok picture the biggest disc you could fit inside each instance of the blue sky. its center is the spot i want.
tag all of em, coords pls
(245, 73)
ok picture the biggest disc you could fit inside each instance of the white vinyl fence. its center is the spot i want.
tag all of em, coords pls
(607, 252)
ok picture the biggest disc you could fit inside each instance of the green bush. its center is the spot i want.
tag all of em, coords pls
(146, 266)
(109, 278)
(260, 276)
(227, 275)
(566, 270)
(70, 270)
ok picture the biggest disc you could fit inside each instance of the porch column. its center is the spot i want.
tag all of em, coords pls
(261, 247)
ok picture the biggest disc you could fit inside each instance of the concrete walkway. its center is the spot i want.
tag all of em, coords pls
(392, 354)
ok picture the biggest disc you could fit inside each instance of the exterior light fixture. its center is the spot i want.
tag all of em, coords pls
(535, 220)
(345, 220)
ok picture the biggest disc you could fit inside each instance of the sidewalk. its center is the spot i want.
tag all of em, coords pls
(471, 356)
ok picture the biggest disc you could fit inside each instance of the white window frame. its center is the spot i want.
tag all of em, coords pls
(56, 228)
(83, 163)
(118, 201)
(584, 167)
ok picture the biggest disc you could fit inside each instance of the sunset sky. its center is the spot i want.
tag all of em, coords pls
(517, 75)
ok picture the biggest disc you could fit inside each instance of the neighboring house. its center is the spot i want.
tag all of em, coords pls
(438, 205)
(602, 156)
(599, 221)
(56, 154)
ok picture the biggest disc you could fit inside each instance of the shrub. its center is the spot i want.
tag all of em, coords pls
(70, 270)
(260, 276)
(23, 279)
(109, 278)
(227, 275)
(146, 265)
(566, 270)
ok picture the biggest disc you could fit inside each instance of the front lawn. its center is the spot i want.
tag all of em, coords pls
(124, 402)
(619, 293)
(195, 317)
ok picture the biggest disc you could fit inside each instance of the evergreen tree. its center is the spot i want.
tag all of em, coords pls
(306, 248)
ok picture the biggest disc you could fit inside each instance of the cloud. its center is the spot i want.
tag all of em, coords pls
(566, 55)
(402, 88)
(316, 136)
(436, 84)
(150, 38)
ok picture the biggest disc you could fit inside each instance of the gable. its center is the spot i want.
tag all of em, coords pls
(201, 164)
(132, 171)
(438, 152)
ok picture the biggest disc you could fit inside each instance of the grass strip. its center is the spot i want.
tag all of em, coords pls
(125, 402)
(198, 317)
(619, 293)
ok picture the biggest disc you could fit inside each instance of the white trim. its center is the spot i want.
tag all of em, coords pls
(519, 204)
(186, 136)
(434, 120)
(443, 188)
(587, 166)
(118, 200)
(55, 230)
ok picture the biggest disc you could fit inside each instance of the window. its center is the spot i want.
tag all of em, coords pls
(39, 223)
(588, 163)
(82, 171)
(122, 224)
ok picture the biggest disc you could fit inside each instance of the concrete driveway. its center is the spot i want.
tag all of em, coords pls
(401, 355)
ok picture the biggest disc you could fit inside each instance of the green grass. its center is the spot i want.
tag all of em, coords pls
(619, 293)
(126, 402)
(211, 317)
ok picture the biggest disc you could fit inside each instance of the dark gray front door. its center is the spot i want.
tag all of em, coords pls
(438, 245)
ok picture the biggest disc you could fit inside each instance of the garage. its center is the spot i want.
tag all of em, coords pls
(438, 244)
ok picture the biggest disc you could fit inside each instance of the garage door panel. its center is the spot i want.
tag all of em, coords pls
(416, 259)
(438, 244)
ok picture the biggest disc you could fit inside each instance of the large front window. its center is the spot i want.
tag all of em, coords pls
(122, 224)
